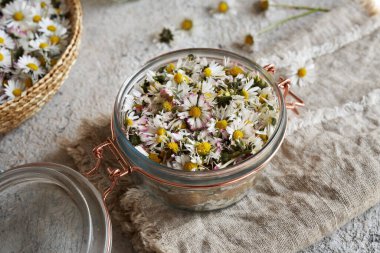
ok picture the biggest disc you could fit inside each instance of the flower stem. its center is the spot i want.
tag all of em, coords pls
(283, 21)
(297, 7)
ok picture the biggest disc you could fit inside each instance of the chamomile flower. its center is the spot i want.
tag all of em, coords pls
(37, 14)
(14, 89)
(30, 65)
(185, 162)
(50, 27)
(43, 44)
(248, 91)
(302, 74)
(6, 41)
(239, 131)
(43, 4)
(207, 89)
(17, 14)
(5, 58)
(214, 70)
(196, 111)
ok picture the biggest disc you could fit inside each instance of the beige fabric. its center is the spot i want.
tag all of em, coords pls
(326, 172)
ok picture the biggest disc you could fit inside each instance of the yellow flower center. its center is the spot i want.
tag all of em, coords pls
(264, 137)
(262, 98)
(154, 157)
(178, 78)
(203, 148)
(52, 28)
(44, 45)
(236, 70)
(183, 125)
(208, 95)
(18, 16)
(195, 112)
(54, 39)
(173, 147)
(2, 40)
(1, 57)
(223, 7)
(32, 66)
(302, 72)
(167, 106)
(238, 134)
(221, 124)
(159, 138)
(160, 131)
(36, 18)
(187, 24)
(248, 40)
(28, 82)
(207, 72)
(170, 68)
(189, 166)
(245, 94)
(128, 122)
(17, 92)
(43, 5)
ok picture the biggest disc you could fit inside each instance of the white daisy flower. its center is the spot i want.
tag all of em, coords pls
(17, 14)
(248, 91)
(302, 74)
(30, 65)
(207, 89)
(50, 27)
(37, 14)
(196, 111)
(185, 162)
(6, 41)
(214, 70)
(5, 58)
(239, 131)
(14, 89)
(130, 120)
(43, 44)
(43, 4)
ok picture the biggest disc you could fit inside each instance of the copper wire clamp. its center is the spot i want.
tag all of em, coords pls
(285, 85)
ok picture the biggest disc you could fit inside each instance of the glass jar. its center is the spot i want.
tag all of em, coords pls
(65, 211)
(199, 190)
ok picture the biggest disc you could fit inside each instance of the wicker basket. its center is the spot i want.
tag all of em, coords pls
(14, 112)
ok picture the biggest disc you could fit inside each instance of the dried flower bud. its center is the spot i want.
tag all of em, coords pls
(264, 5)
(166, 36)
(249, 40)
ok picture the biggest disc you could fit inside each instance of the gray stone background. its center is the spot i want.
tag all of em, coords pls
(117, 40)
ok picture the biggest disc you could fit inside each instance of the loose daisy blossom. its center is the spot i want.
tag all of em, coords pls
(197, 115)
(372, 6)
(302, 74)
(33, 35)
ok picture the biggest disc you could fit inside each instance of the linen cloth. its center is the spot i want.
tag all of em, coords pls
(313, 202)
(326, 172)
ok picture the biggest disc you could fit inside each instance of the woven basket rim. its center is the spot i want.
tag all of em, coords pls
(75, 22)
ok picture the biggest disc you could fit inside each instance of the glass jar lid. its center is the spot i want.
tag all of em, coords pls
(48, 207)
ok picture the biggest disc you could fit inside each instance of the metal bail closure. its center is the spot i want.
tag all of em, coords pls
(114, 174)
(285, 85)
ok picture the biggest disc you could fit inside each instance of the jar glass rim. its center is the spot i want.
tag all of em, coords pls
(160, 61)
